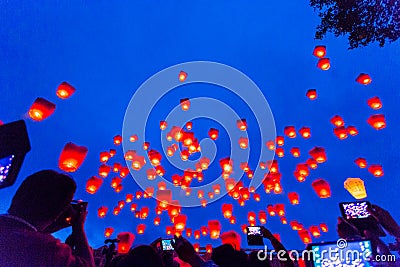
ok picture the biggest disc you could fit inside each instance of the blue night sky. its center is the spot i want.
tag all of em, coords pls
(108, 50)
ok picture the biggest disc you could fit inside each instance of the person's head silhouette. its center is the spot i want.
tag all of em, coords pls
(42, 197)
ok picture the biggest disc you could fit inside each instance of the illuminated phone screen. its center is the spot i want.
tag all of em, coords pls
(5, 165)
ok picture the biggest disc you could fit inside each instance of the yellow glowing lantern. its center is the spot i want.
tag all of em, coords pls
(356, 187)
(182, 76)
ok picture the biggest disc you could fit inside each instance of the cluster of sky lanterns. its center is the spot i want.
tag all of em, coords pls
(72, 157)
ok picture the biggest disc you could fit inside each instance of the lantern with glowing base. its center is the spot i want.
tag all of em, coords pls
(322, 188)
(65, 90)
(72, 157)
(93, 184)
(356, 187)
(41, 109)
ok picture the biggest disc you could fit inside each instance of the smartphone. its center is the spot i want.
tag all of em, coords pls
(254, 236)
(166, 244)
(355, 210)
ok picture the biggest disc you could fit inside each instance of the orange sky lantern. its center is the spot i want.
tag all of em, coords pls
(196, 247)
(163, 125)
(189, 232)
(270, 145)
(72, 157)
(280, 152)
(312, 94)
(280, 140)
(244, 166)
(124, 171)
(117, 140)
(113, 152)
(227, 210)
(242, 124)
(189, 125)
(322, 188)
(196, 234)
(217, 189)
(104, 156)
(312, 163)
(146, 145)
(257, 197)
(185, 104)
(213, 134)
(174, 208)
(273, 166)
(305, 236)
(133, 138)
(93, 184)
(294, 198)
(232, 220)
(215, 228)
(302, 169)
(204, 163)
(294, 225)
(226, 165)
(295, 151)
(319, 154)
(251, 216)
(121, 204)
(133, 207)
(305, 132)
(200, 194)
(210, 195)
(299, 177)
(324, 64)
(155, 157)
(377, 121)
(361, 162)
(204, 230)
(364, 79)
(314, 230)
(129, 198)
(209, 248)
(65, 90)
(243, 142)
(280, 209)
(352, 130)
(149, 192)
(171, 150)
(290, 131)
(324, 227)
(263, 165)
(319, 51)
(284, 220)
(141, 228)
(182, 76)
(170, 230)
(271, 210)
(262, 217)
(160, 170)
(102, 212)
(151, 174)
(41, 109)
(116, 211)
(185, 155)
(108, 232)
(138, 162)
(337, 121)
(376, 170)
(118, 188)
(356, 187)
(115, 182)
(138, 194)
(180, 222)
(116, 167)
(188, 138)
(340, 132)
(244, 228)
(375, 103)
(157, 221)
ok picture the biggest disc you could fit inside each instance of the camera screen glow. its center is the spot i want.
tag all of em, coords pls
(5, 165)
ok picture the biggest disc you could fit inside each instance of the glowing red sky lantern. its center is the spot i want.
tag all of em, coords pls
(138, 194)
(322, 188)
(72, 157)
(200, 194)
(376, 170)
(319, 51)
(217, 188)
(257, 197)
(377, 121)
(210, 195)
(102, 212)
(213, 133)
(188, 138)
(115, 182)
(104, 156)
(263, 165)
(227, 210)
(271, 210)
(226, 165)
(151, 174)
(93, 184)
(196, 234)
(244, 166)
(361, 162)
(170, 230)
(262, 217)
(41, 109)
(312, 163)
(118, 189)
(299, 177)
(318, 153)
(352, 130)
(251, 216)
(290, 131)
(157, 221)
(302, 169)
(305, 236)
(280, 209)
(180, 222)
(174, 208)
(314, 230)
(133, 207)
(295, 151)
(204, 230)
(146, 145)
(294, 225)
(117, 140)
(312, 94)
(155, 157)
(138, 162)
(337, 121)
(185, 155)
(124, 171)
(324, 227)
(189, 232)
(140, 229)
(182, 76)
(273, 166)
(215, 228)
(270, 144)
(116, 167)
(243, 142)
(129, 198)
(280, 152)
(189, 125)
(232, 220)
(294, 198)
(375, 103)
(121, 204)
(163, 125)
(185, 104)
(65, 90)
(244, 228)
(340, 132)
(241, 124)
(324, 64)
(305, 132)
(209, 248)
(116, 211)
(108, 231)
(280, 140)
(133, 138)
(364, 79)
(171, 150)
(113, 152)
